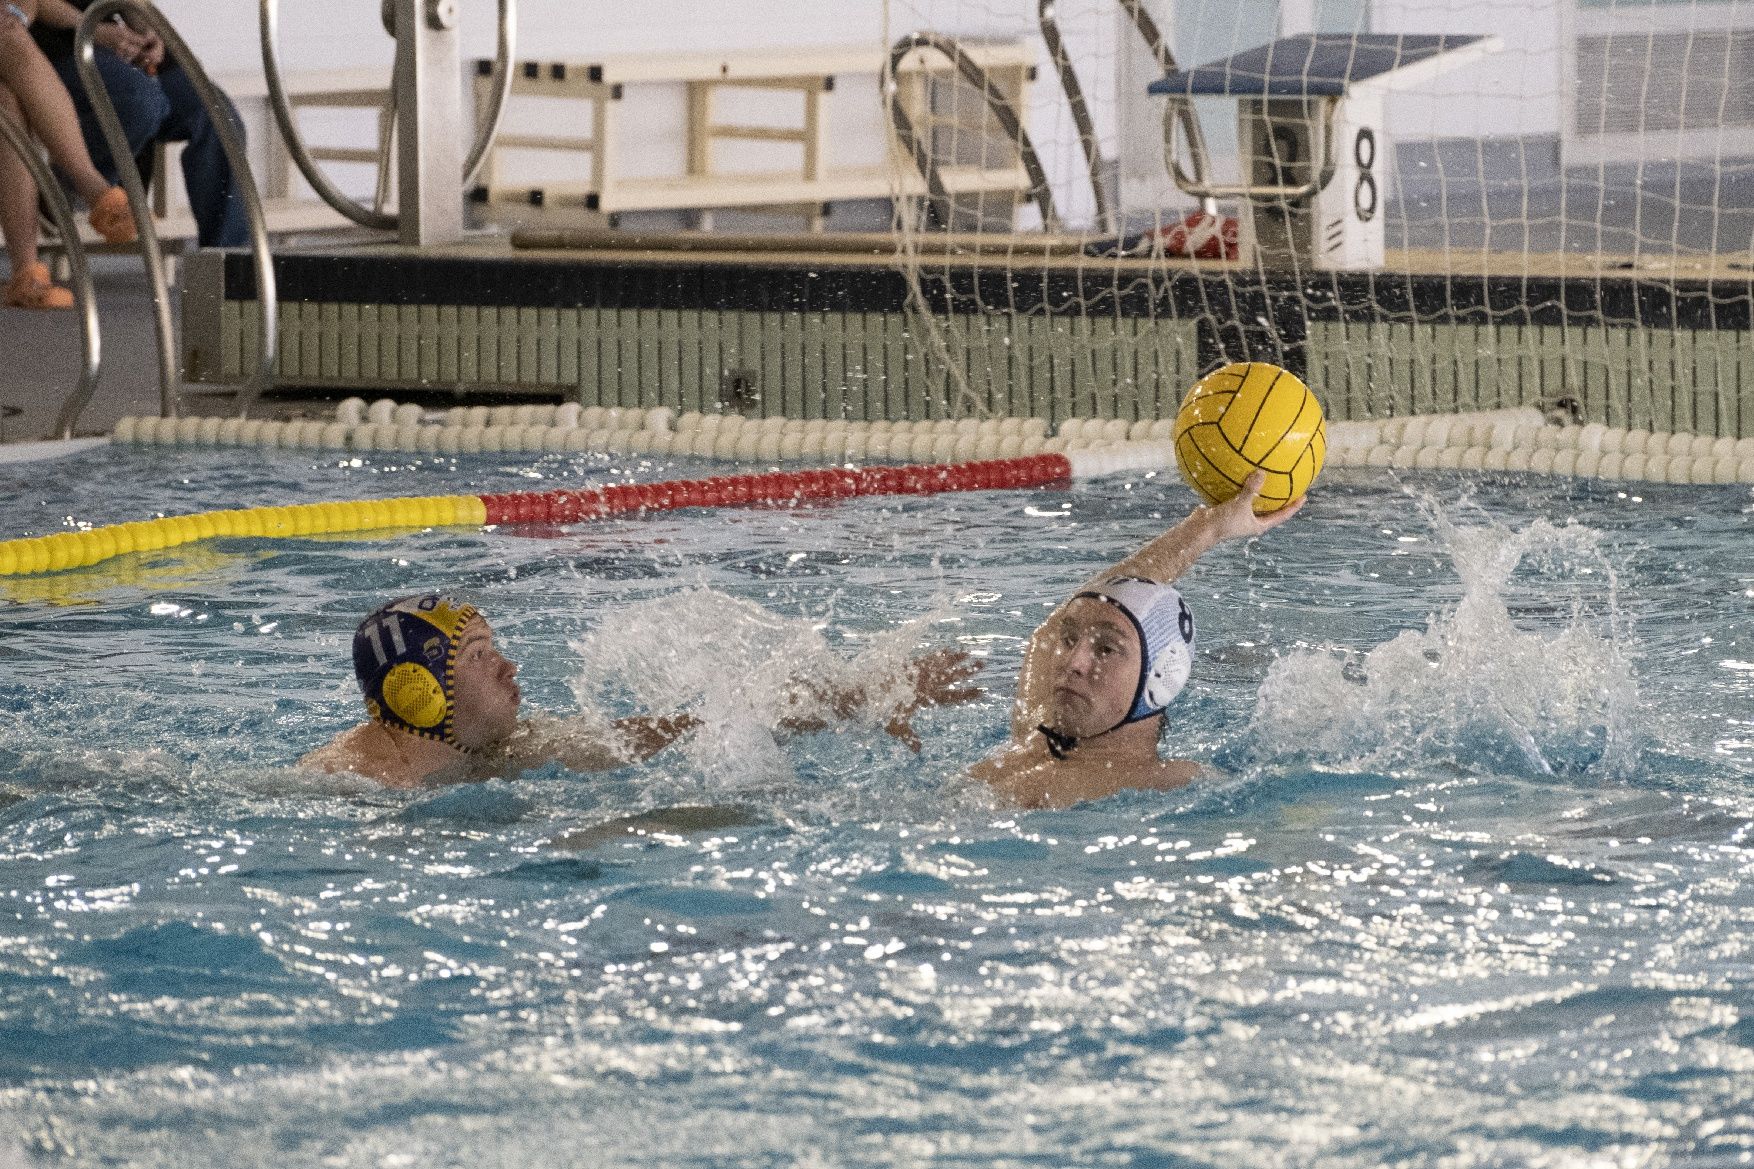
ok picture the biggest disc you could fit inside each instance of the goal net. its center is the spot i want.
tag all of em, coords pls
(1423, 206)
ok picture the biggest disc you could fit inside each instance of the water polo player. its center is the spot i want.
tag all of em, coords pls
(443, 705)
(1098, 674)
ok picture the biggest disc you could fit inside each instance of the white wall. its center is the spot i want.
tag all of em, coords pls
(330, 33)
(327, 34)
(1512, 93)
(344, 33)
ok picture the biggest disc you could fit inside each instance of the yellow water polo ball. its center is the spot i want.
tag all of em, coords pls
(1245, 417)
(414, 695)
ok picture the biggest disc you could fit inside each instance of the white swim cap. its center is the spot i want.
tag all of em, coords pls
(1166, 637)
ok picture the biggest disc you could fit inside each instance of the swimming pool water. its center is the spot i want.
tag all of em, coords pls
(1473, 886)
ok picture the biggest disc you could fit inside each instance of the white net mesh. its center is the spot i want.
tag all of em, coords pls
(1546, 203)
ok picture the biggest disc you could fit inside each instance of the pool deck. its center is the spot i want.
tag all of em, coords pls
(39, 354)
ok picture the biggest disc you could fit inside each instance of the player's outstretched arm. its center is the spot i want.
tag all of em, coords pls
(582, 746)
(938, 678)
(1170, 555)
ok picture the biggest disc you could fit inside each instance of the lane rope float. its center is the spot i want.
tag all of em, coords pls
(1516, 439)
(80, 549)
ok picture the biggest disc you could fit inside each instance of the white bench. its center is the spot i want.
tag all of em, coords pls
(810, 73)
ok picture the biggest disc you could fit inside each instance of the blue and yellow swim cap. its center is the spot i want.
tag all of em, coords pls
(405, 657)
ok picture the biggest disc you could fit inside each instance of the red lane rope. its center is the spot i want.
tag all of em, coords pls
(567, 507)
(77, 549)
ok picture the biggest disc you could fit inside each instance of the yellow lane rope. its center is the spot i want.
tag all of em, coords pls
(65, 550)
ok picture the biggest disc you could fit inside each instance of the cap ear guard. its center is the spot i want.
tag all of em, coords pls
(1166, 629)
(415, 695)
(1169, 672)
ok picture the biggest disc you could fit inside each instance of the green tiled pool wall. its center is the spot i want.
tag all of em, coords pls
(1020, 343)
(797, 365)
(1697, 381)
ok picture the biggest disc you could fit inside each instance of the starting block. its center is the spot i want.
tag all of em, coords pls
(1310, 136)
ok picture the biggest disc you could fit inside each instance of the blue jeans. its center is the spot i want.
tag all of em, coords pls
(165, 108)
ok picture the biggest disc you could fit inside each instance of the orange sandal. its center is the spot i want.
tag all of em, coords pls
(111, 218)
(33, 289)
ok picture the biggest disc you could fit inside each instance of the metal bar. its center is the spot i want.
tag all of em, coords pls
(151, 251)
(996, 101)
(1081, 116)
(700, 116)
(429, 201)
(341, 99)
(1190, 118)
(804, 83)
(90, 343)
(386, 151)
(1181, 108)
(219, 113)
(501, 89)
(881, 244)
(1204, 190)
(347, 154)
(760, 133)
(293, 139)
(815, 137)
(542, 142)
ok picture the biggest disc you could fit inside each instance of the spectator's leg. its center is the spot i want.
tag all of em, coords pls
(213, 189)
(140, 104)
(29, 285)
(18, 197)
(47, 109)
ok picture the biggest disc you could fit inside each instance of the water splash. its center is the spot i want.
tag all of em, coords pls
(1474, 689)
(743, 670)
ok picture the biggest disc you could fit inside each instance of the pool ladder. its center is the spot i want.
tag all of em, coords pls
(939, 198)
(1178, 112)
(219, 112)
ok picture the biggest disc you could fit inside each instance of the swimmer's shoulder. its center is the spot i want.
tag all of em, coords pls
(1030, 779)
(361, 751)
(1099, 781)
(1018, 773)
(1174, 773)
(342, 753)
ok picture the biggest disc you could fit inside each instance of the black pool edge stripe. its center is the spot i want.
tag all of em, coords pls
(1262, 316)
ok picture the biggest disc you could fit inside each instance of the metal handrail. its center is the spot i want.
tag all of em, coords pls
(365, 216)
(1205, 190)
(502, 89)
(289, 134)
(219, 113)
(1182, 108)
(996, 101)
(90, 343)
